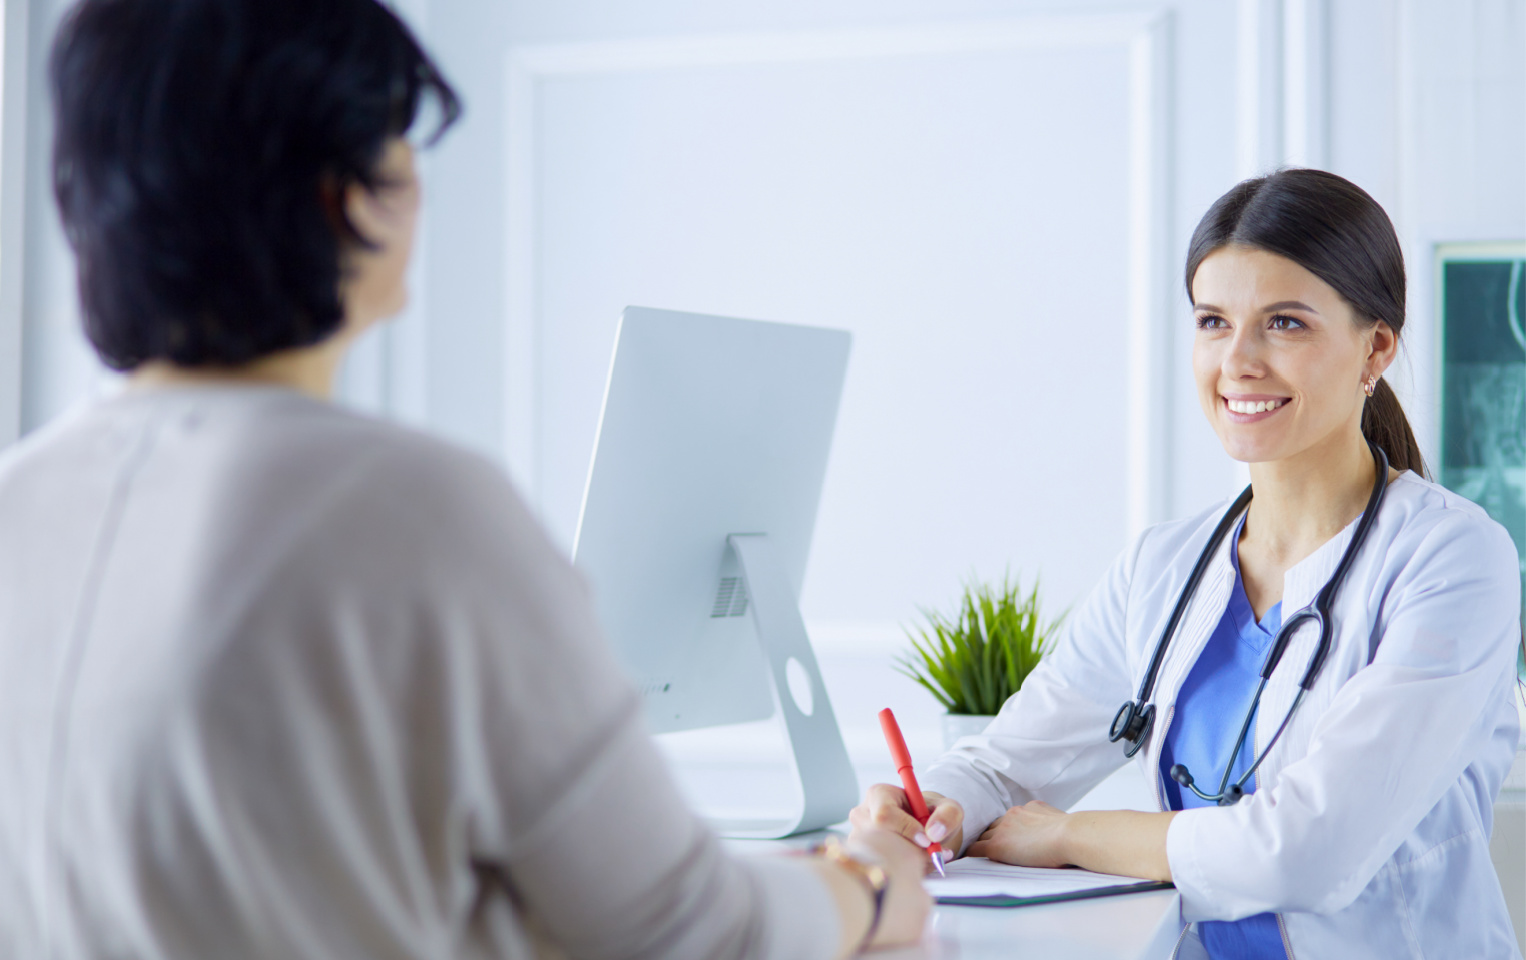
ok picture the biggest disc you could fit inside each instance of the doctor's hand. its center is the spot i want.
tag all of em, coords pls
(1032, 835)
(1130, 843)
(885, 807)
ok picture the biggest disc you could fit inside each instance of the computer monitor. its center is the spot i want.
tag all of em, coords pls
(696, 524)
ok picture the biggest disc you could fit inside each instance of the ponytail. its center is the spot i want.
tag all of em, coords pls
(1384, 423)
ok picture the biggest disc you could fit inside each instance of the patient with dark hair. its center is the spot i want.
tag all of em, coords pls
(278, 680)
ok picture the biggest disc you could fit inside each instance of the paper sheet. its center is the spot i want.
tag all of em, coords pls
(979, 877)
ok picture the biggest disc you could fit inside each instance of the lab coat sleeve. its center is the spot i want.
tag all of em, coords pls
(1395, 737)
(1049, 740)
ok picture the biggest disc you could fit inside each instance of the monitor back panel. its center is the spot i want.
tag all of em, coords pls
(711, 426)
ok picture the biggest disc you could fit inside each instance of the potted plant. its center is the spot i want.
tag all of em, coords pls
(972, 662)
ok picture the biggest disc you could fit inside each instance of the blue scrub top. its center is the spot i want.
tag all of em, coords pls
(1209, 712)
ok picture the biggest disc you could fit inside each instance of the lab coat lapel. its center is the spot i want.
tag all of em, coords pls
(1202, 616)
(1300, 586)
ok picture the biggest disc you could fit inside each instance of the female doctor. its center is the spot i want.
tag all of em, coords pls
(1386, 723)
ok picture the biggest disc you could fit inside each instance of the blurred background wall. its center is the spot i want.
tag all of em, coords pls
(994, 196)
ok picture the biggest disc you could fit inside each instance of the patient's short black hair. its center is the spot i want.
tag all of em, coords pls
(200, 157)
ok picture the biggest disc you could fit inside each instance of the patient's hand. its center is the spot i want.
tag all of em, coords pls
(885, 807)
(907, 904)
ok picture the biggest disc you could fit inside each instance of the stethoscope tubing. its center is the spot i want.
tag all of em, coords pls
(1135, 719)
(1147, 685)
(1239, 787)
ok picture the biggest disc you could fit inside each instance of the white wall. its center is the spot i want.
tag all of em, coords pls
(974, 215)
(14, 41)
(892, 183)
(58, 367)
(967, 213)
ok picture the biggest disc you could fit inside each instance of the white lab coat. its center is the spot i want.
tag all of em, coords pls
(1369, 831)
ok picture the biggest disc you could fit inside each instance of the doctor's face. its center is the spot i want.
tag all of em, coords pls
(1279, 357)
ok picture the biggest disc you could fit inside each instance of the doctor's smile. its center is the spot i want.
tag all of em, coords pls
(1252, 409)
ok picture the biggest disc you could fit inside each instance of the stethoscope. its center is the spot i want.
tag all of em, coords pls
(1135, 719)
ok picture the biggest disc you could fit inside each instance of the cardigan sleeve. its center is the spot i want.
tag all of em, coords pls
(488, 755)
(571, 800)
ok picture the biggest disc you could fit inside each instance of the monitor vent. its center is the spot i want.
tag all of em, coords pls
(730, 598)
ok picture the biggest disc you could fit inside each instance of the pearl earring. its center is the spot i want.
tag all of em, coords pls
(1371, 385)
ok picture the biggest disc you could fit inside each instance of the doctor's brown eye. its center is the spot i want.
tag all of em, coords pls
(1284, 322)
(1209, 321)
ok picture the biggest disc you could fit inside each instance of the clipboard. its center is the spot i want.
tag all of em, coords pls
(1004, 900)
(979, 882)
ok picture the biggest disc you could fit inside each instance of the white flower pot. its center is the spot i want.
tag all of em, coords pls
(956, 725)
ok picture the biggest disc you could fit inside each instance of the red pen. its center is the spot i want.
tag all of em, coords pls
(902, 758)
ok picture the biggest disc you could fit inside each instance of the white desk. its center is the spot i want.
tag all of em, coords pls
(1135, 927)
(1140, 926)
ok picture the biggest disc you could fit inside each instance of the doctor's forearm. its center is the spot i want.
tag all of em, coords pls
(1125, 842)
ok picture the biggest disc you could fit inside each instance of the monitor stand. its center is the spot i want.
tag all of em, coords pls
(828, 785)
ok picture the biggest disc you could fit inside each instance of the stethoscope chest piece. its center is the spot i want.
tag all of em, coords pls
(1132, 724)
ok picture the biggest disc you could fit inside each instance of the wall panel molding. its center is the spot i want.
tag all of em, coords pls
(1152, 275)
(1306, 84)
(1258, 87)
(1142, 37)
(1282, 85)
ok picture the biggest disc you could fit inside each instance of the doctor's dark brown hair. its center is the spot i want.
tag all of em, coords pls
(1332, 228)
(201, 152)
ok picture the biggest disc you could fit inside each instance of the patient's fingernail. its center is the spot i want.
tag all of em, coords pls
(937, 832)
(921, 840)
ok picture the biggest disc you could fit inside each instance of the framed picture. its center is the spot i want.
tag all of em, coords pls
(1482, 291)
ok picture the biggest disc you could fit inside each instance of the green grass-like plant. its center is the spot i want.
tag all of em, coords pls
(974, 661)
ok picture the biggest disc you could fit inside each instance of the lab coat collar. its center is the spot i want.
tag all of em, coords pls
(1304, 579)
(1300, 585)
